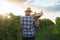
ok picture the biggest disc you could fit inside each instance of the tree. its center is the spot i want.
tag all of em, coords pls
(58, 25)
(10, 28)
(45, 23)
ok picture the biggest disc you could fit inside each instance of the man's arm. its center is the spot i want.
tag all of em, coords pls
(36, 22)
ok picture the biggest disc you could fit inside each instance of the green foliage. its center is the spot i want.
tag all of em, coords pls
(58, 25)
(45, 23)
(10, 29)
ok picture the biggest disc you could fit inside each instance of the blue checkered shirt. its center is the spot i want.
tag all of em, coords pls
(28, 26)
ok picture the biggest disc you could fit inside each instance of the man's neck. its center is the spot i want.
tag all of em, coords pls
(27, 14)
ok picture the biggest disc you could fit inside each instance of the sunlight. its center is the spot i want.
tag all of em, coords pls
(5, 16)
(8, 17)
(6, 7)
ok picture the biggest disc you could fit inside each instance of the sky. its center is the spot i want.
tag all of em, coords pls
(51, 8)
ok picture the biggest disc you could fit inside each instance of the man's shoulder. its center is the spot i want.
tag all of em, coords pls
(32, 17)
(28, 17)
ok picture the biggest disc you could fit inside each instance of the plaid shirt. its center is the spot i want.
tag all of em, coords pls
(28, 26)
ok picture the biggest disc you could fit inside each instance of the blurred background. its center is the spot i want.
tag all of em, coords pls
(12, 10)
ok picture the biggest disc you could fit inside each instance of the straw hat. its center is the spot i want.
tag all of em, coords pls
(28, 10)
